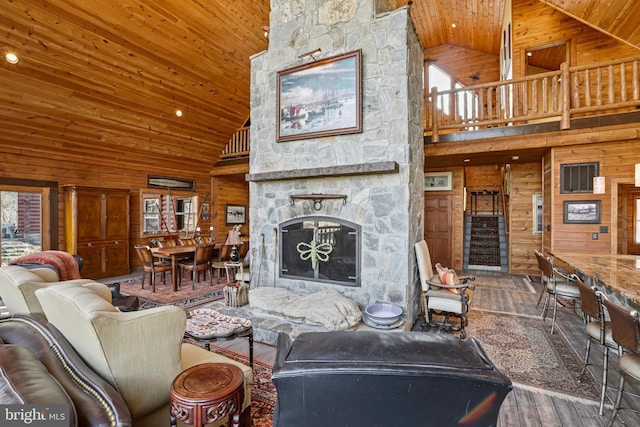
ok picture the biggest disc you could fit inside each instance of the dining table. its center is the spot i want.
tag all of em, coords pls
(175, 253)
(617, 276)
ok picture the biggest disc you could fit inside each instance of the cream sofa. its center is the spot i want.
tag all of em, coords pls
(139, 353)
(18, 285)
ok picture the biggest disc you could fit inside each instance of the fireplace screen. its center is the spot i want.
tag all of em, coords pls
(320, 249)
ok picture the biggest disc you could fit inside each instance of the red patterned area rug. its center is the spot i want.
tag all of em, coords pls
(263, 392)
(185, 297)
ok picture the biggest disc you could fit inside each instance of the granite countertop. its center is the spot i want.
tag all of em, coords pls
(619, 275)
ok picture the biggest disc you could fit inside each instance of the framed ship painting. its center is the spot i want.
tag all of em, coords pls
(321, 98)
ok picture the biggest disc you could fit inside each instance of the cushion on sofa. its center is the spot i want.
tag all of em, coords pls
(18, 285)
(25, 380)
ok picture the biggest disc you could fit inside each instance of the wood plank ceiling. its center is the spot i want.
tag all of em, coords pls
(103, 79)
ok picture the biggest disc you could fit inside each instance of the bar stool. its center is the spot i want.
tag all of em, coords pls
(559, 285)
(598, 330)
(625, 329)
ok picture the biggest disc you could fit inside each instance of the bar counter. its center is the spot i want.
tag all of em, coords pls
(617, 276)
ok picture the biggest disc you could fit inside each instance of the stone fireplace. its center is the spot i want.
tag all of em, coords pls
(361, 193)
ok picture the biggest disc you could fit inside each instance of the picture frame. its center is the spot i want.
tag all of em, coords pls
(581, 212)
(235, 214)
(319, 99)
(537, 214)
(438, 181)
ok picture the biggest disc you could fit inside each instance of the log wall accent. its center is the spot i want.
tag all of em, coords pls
(231, 189)
(536, 24)
(526, 181)
(617, 163)
(93, 172)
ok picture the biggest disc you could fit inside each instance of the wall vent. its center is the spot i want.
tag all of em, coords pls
(578, 177)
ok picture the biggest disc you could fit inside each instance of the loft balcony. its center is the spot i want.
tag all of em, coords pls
(556, 98)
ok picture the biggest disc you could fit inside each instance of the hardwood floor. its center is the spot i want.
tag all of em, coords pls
(525, 406)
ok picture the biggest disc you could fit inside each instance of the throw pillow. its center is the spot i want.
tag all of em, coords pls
(447, 276)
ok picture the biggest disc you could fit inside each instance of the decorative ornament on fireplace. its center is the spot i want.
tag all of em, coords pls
(317, 252)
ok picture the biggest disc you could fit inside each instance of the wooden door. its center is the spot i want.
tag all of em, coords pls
(437, 227)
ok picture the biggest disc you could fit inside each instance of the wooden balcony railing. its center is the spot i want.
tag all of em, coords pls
(571, 92)
(238, 145)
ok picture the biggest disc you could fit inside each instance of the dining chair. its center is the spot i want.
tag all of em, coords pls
(223, 257)
(167, 243)
(439, 298)
(151, 266)
(559, 285)
(201, 263)
(598, 329)
(544, 279)
(625, 329)
(187, 241)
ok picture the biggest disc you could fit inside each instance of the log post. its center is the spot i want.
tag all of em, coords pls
(565, 121)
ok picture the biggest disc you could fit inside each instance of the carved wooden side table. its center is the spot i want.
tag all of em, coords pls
(206, 393)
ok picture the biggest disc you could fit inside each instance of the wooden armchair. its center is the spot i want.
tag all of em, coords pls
(439, 299)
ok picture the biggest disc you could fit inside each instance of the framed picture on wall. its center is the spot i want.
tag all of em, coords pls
(235, 214)
(320, 98)
(438, 181)
(581, 212)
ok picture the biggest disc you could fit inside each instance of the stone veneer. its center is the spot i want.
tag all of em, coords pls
(380, 170)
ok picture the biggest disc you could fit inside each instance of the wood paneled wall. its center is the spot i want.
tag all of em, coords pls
(526, 181)
(90, 172)
(617, 165)
(536, 24)
(230, 189)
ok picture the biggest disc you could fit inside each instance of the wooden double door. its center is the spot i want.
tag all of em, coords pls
(97, 229)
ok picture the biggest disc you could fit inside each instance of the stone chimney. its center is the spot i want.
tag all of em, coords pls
(377, 171)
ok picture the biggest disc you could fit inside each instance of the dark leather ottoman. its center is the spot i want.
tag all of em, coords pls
(378, 378)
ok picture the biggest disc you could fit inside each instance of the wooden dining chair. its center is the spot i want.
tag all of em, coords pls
(223, 257)
(167, 243)
(187, 241)
(201, 263)
(151, 266)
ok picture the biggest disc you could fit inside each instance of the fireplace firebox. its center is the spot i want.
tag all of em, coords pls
(320, 249)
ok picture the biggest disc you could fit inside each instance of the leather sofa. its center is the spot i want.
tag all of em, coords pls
(139, 353)
(385, 378)
(39, 366)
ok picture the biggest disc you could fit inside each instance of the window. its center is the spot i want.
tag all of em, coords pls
(578, 177)
(466, 102)
(168, 212)
(637, 222)
(25, 217)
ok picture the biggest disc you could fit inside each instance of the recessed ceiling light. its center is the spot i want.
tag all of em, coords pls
(11, 58)
(529, 54)
(453, 25)
(178, 113)
(515, 157)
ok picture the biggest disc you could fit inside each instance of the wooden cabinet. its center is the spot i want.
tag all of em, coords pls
(97, 229)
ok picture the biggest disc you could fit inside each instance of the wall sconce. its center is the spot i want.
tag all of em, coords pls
(310, 54)
(598, 184)
(637, 174)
